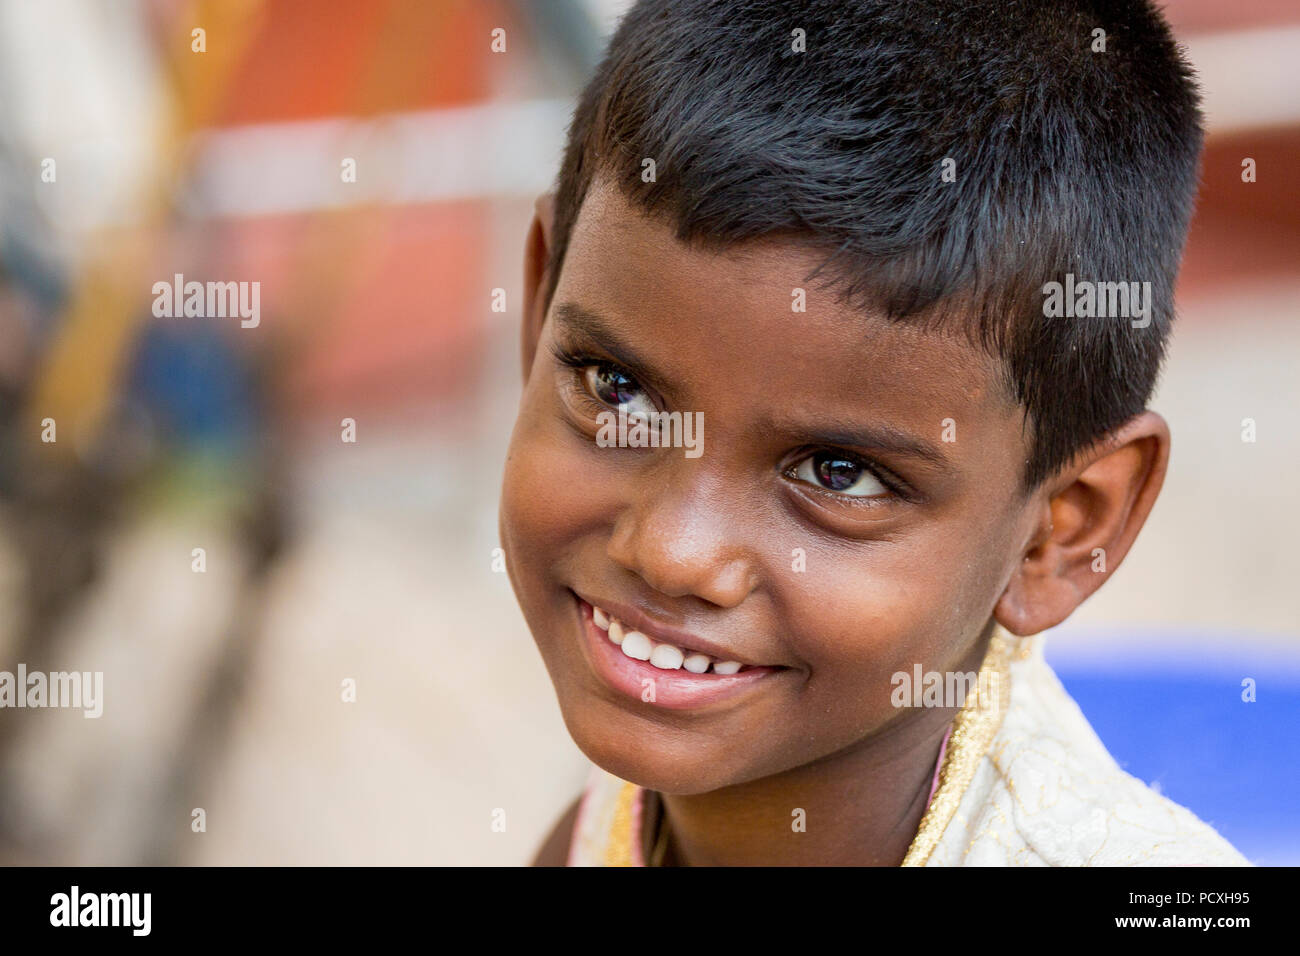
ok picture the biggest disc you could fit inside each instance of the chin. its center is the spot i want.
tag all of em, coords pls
(640, 759)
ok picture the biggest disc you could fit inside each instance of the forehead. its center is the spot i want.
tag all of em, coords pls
(728, 314)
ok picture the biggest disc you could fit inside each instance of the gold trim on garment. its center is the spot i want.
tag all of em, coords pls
(972, 732)
(618, 849)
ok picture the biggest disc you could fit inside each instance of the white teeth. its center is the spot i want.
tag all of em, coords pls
(697, 663)
(666, 657)
(637, 646)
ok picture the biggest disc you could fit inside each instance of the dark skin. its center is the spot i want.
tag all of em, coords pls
(912, 562)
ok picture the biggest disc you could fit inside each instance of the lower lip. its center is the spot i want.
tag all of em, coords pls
(673, 690)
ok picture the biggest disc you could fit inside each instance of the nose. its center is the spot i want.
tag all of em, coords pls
(685, 540)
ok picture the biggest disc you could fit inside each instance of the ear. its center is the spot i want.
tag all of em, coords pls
(537, 249)
(1087, 520)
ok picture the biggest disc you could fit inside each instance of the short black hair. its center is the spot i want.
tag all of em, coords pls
(1074, 151)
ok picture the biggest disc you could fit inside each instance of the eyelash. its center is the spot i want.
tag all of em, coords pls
(579, 361)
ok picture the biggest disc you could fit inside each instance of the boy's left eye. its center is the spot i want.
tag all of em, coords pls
(837, 472)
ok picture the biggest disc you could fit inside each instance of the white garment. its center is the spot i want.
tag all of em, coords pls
(1048, 793)
(1043, 791)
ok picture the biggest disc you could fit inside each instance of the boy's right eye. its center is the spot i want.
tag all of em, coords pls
(602, 385)
(614, 388)
(611, 385)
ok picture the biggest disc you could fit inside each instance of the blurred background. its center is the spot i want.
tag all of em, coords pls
(127, 155)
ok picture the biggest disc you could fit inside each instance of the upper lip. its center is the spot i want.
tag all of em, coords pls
(638, 620)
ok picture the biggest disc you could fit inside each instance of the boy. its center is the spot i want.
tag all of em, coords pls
(840, 234)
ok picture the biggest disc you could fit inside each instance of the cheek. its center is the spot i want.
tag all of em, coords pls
(895, 606)
(549, 493)
(879, 623)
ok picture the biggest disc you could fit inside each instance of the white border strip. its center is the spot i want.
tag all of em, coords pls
(499, 149)
(1250, 78)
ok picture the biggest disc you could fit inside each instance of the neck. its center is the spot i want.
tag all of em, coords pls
(861, 806)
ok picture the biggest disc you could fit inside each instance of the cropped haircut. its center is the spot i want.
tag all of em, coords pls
(1070, 151)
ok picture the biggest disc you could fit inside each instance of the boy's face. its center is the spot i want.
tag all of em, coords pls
(900, 567)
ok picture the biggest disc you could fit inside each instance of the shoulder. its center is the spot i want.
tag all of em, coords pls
(555, 849)
(1049, 793)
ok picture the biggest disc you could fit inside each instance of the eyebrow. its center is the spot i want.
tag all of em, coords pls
(878, 436)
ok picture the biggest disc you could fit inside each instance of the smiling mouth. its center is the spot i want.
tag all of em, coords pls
(663, 674)
(665, 656)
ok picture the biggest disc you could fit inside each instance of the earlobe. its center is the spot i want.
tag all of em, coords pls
(1086, 527)
(537, 249)
(1036, 591)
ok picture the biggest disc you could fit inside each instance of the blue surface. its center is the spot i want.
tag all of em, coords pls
(1175, 718)
(194, 383)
